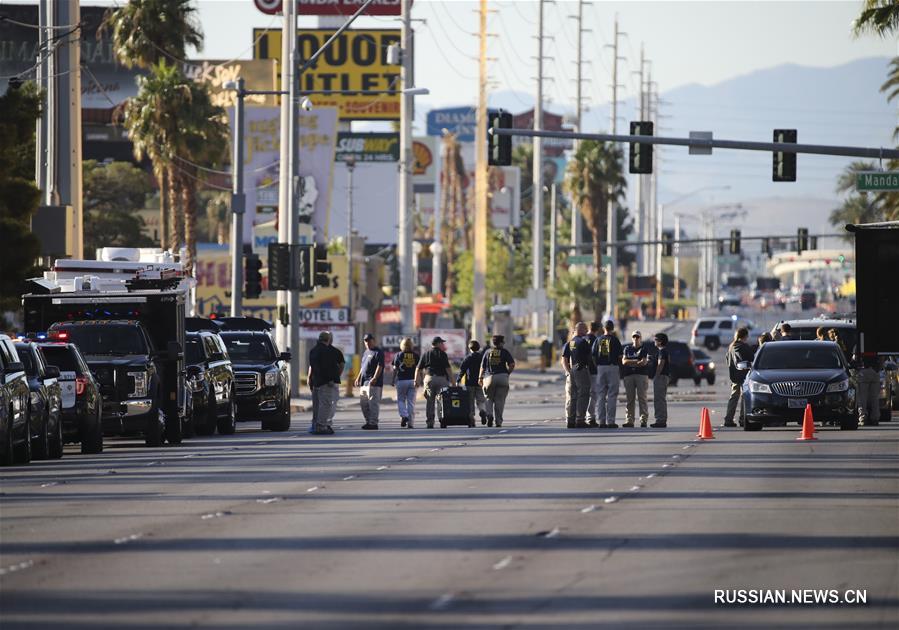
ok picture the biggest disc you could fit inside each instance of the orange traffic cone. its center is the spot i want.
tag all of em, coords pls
(705, 426)
(808, 425)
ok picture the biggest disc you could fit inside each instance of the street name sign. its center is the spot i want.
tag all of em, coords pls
(877, 181)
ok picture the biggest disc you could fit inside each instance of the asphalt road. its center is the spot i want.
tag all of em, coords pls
(531, 525)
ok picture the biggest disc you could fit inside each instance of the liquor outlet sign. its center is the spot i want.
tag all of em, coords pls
(333, 7)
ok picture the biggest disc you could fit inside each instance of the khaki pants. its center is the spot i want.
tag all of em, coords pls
(660, 398)
(433, 385)
(577, 395)
(736, 397)
(608, 381)
(593, 400)
(867, 395)
(635, 386)
(496, 387)
(477, 399)
(370, 400)
(324, 401)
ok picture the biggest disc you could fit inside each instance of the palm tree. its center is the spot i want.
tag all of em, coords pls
(573, 288)
(880, 17)
(595, 177)
(145, 32)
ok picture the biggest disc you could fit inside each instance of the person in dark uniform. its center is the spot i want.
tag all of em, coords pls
(635, 374)
(546, 354)
(434, 372)
(576, 363)
(660, 382)
(325, 367)
(469, 370)
(404, 380)
(607, 356)
(594, 384)
(496, 366)
(371, 378)
(737, 352)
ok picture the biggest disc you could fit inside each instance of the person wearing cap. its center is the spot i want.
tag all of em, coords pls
(594, 384)
(607, 356)
(434, 372)
(660, 383)
(635, 373)
(496, 366)
(469, 370)
(325, 367)
(404, 380)
(575, 363)
(371, 379)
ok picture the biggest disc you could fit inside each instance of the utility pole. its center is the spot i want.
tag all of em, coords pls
(612, 232)
(285, 177)
(350, 167)
(238, 205)
(640, 219)
(658, 252)
(537, 218)
(652, 111)
(407, 104)
(551, 282)
(479, 312)
(576, 236)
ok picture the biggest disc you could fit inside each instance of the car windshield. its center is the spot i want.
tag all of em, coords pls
(699, 354)
(61, 357)
(778, 356)
(109, 340)
(193, 352)
(243, 348)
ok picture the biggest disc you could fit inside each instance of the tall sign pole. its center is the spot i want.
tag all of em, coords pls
(284, 173)
(293, 228)
(537, 218)
(479, 312)
(404, 246)
(238, 206)
(611, 276)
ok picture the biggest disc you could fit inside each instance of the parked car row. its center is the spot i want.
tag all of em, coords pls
(86, 379)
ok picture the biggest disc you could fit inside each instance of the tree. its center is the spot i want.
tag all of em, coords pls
(857, 207)
(573, 289)
(595, 177)
(19, 196)
(508, 274)
(880, 17)
(145, 32)
(113, 195)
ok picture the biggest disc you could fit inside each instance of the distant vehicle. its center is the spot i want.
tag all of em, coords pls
(788, 375)
(808, 300)
(15, 423)
(705, 367)
(211, 379)
(714, 332)
(46, 402)
(767, 284)
(261, 373)
(729, 299)
(82, 403)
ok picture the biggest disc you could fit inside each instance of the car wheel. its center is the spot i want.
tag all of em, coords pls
(56, 440)
(205, 424)
(22, 454)
(155, 430)
(711, 380)
(228, 424)
(697, 381)
(672, 382)
(92, 441)
(712, 343)
(41, 446)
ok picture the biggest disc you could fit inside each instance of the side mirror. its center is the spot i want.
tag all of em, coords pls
(51, 372)
(744, 365)
(284, 356)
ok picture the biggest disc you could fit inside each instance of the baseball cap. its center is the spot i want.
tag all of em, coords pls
(437, 340)
(368, 337)
(636, 333)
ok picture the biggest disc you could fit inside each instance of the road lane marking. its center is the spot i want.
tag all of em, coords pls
(434, 450)
(49, 484)
(634, 488)
(381, 468)
(410, 459)
(687, 446)
(553, 533)
(675, 456)
(153, 464)
(588, 509)
(127, 539)
(206, 517)
(611, 499)
(443, 601)
(650, 475)
(502, 564)
(348, 477)
(667, 465)
(269, 500)
(312, 489)
(504, 431)
(21, 566)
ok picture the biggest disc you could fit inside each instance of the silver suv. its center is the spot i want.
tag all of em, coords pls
(714, 332)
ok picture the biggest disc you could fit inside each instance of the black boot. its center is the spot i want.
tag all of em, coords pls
(483, 417)
(489, 421)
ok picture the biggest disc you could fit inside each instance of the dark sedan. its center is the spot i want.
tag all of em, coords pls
(46, 402)
(788, 375)
(82, 405)
(705, 367)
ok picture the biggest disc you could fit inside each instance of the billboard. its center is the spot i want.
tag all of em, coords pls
(356, 61)
(262, 141)
(367, 146)
(258, 74)
(461, 121)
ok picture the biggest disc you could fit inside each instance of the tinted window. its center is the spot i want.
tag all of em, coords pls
(679, 352)
(28, 361)
(706, 324)
(209, 343)
(61, 357)
(774, 356)
(110, 340)
(193, 352)
(249, 348)
(726, 325)
(699, 354)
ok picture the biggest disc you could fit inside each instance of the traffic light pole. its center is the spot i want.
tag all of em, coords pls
(238, 205)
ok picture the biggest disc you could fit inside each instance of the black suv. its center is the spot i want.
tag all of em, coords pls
(15, 436)
(82, 405)
(211, 379)
(261, 373)
(46, 402)
(788, 375)
(120, 355)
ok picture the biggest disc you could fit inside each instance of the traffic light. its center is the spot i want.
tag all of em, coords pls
(813, 242)
(667, 243)
(735, 241)
(252, 278)
(801, 240)
(720, 247)
(766, 247)
(278, 266)
(322, 267)
(304, 267)
(784, 161)
(640, 161)
(499, 148)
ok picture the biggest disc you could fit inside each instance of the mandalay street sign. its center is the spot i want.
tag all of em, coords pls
(877, 181)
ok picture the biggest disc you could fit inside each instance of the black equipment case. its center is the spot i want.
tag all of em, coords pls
(454, 407)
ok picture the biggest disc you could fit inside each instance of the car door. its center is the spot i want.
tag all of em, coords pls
(52, 388)
(216, 371)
